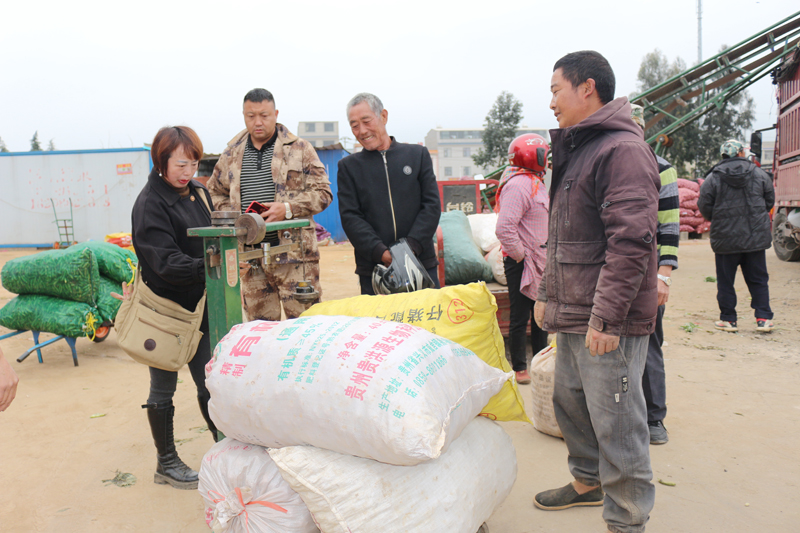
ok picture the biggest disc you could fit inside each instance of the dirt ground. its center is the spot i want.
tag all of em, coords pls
(734, 423)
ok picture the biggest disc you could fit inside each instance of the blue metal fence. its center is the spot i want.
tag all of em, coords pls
(330, 217)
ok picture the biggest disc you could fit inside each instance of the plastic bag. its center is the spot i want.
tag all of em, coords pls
(70, 274)
(542, 371)
(362, 386)
(264, 503)
(455, 493)
(107, 305)
(111, 260)
(455, 312)
(463, 258)
(54, 315)
(495, 260)
(689, 184)
(483, 227)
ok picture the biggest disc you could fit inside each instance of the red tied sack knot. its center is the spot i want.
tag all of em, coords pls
(228, 508)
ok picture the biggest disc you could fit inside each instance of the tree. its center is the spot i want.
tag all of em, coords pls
(696, 146)
(3, 147)
(500, 129)
(51, 147)
(35, 145)
(656, 69)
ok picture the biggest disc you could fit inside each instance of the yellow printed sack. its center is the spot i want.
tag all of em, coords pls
(466, 314)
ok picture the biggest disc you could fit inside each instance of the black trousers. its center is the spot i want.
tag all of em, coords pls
(163, 382)
(754, 270)
(654, 381)
(521, 313)
(366, 281)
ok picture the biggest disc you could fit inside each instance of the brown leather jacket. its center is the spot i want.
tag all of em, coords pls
(601, 249)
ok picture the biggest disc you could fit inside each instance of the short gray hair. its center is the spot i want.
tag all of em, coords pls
(372, 101)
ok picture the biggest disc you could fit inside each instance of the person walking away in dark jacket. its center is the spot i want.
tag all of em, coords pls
(599, 292)
(522, 205)
(654, 380)
(736, 198)
(387, 191)
(172, 266)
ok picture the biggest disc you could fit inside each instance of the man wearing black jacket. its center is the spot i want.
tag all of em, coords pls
(737, 197)
(386, 192)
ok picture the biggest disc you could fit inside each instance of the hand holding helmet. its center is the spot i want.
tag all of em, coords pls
(404, 274)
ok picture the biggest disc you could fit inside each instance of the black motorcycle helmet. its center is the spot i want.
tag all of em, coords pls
(405, 274)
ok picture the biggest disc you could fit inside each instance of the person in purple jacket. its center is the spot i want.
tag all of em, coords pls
(522, 231)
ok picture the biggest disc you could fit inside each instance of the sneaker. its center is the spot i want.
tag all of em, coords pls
(658, 433)
(764, 326)
(566, 497)
(724, 325)
(523, 378)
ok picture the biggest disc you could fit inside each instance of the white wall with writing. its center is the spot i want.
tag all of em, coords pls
(101, 184)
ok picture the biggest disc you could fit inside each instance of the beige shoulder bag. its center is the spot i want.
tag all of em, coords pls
(156, 331)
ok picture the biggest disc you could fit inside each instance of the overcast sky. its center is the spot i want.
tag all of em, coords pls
(100, 74)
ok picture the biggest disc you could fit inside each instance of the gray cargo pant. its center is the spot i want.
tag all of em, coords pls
(600, 409)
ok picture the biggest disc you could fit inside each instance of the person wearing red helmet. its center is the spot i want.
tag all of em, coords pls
(522, 202)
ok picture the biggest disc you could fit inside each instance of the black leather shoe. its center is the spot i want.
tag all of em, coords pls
(566, 497)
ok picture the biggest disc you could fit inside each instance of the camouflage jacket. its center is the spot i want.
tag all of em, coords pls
(299, 177)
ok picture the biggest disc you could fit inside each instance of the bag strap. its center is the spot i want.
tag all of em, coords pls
(202, 193)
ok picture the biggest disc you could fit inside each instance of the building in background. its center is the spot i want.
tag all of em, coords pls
(94, 189)
(319, 134)
(454, 147)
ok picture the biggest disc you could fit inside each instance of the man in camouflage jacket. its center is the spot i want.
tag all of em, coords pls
(301, 190)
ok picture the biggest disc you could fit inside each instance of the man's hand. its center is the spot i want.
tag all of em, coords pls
(276, 212)
(600, 343)
(8, 383)
(663, 288)
(386, 258)
(538, 313)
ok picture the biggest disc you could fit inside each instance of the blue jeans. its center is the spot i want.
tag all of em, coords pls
(600, 409)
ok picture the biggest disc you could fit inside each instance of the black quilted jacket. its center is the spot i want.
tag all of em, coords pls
(737, 197)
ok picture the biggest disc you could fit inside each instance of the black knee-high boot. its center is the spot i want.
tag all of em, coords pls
(170, 469)
(203, 401)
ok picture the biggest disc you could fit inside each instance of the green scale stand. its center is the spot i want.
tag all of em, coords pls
(221, 242)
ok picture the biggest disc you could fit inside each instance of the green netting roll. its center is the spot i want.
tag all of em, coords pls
(70, 274)
(107, 304)
(54, 315)
(111, 259)
(463, 258)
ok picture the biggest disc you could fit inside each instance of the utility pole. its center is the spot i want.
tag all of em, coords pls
(699, 31)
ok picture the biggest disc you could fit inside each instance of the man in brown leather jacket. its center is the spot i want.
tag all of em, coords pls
(600, 292)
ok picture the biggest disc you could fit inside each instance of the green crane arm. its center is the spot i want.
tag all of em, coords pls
(731, 71)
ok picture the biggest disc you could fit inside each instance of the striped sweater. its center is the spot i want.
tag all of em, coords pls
(668, 232)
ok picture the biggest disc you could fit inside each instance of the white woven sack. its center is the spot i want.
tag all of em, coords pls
(483, 226)
(243, 492)
(455, 493)
(495, 260)
(361, 386)
(542, 371)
